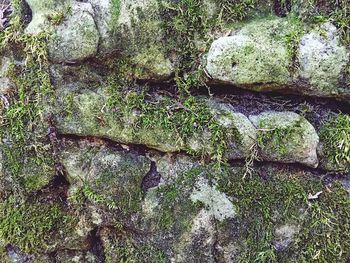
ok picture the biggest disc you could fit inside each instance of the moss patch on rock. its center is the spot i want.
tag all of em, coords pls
(26, 151)
(335, 140)
(274, 197)
(32, 226)
(286, 136)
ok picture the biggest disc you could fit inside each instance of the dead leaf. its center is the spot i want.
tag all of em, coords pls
(315, 196)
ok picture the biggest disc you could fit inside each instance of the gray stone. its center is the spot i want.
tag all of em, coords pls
(322, 61)
(257, 57)
(77, 37)
(41, 12)
(217, 204)
(90, 106)
(110, 179)
(284, 236)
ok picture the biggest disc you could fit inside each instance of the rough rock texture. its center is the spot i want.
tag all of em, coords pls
(133, 29)
(322, 61)
(144, 131)
(254, 56)
(240, 132)
(258, 57)
(80, 25)
(286, 137)
(41, 12)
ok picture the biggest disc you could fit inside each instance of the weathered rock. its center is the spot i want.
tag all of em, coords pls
(6, 84)
(106, 13)
(77, 37)
(133, 29)
(284, 236)
(322, 61)
(108, 178)
(254, 57)
(42, 11)
(139, 32)
(286, 137)
(240, 132)
(89, 110)
(217, 204)
(258, 57)
(68, 256)
(198, 243)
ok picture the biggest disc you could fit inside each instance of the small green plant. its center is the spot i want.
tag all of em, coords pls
(277, 138)
(57, 18)
(235, 10)
(97, 198)
(181, 119)
(335, 136)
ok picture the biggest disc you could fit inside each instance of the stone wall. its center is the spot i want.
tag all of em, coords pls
(174, 131)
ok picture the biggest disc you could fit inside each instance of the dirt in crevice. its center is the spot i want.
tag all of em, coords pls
(282, 8)
(137, 149)
(55, 191)
(151, 179)
(96, 243)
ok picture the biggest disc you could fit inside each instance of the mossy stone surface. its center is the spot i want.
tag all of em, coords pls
(41, 11)
(286, 137)
(254, 56)
(322, 59)
(77, 37)
(110, 179)
(90, 117)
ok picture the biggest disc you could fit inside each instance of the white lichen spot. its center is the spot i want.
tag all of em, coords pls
(217, 203)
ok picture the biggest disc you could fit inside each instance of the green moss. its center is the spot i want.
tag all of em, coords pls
(31, 227)
(68, 104)
(292, 39)
(233, 10)
(335, 136)
(276, 138)
(24, 127)
(125, 251)
(180, 120)
(281, 198)
(176, 210)
(115, 12)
